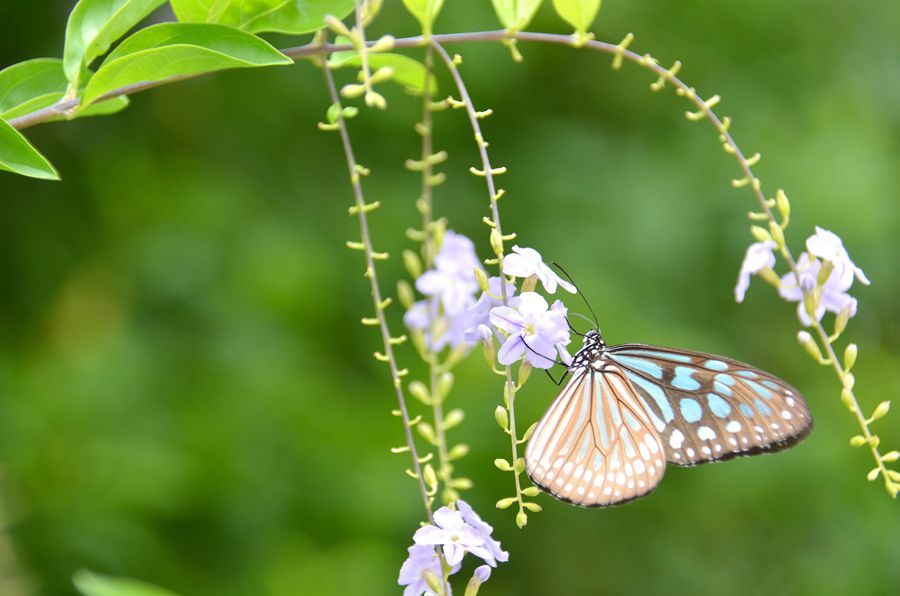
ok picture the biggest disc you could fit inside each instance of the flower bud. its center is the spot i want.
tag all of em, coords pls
(482, 279)
(453, 418)
(502, 417)
(418, 390)
(405, 293)
(413, 263)
(881, 410)
(445, 384)
(524, 372)
(504, 503)
(458, 452)
(850, 356)
(521, 519)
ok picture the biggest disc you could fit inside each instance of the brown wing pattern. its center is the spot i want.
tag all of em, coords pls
(596, 445)
(709, 408)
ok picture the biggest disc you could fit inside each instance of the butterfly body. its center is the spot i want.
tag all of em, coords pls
(629, 410)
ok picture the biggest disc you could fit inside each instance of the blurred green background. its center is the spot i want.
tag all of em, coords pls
(186, 394)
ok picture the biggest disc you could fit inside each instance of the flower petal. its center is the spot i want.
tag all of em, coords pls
(512, 350)
(507, 319)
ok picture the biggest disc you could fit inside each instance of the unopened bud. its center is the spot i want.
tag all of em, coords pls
(413, 263)
(850, 356)
(502, 417)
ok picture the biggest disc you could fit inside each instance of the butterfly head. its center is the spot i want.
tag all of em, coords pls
(593, 339)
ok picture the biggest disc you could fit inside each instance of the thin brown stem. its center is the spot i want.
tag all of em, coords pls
(378, 302)
(497, 228)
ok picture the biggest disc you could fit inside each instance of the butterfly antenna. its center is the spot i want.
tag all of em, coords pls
(581, 316)
(577, 289)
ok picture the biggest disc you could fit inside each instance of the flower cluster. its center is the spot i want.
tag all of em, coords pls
(527, 325)
(456, 532)
(826, 275)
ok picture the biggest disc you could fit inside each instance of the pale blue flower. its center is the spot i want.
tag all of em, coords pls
(483, 573)
(484, 530)
(455, 291)
(422, 558)
(457, 255)
(829, 246)
(834, 297)
(759, 256)
(534, 331)
(454, 535)
(525, 262)
(479, 328)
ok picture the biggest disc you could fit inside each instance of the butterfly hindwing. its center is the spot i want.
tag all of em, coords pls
(709, 408)
(596, 445)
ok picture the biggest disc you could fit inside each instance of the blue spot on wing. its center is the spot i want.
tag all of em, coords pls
(725, 379)
(747, 374)
(723, 389)
(715, 365)
(655, 392)
(683, 379)
(691, 410)
(746, 410)
(759, 389)
(641, 364)
(717, 405)
(660, 355)
(761, 407)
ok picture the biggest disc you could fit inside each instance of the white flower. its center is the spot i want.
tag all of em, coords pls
(525, 262)
(759, 256)
(535, 332)
(455, 536)
(834, 297)
(479, 313)
(828, 245)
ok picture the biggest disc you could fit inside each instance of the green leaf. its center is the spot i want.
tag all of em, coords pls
(578, 13)
(30, 86)
(408, 72)
(35, 84)
(282, 16)
(93, 584)
(94, 25)
(516, 14)
(172, 50)
(18, 156)
(425, 11)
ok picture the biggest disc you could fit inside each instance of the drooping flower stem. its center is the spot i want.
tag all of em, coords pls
(360, 209)
(430, 231)
(497, 239)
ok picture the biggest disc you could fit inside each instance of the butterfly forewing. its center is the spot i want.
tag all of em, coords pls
(596, 445)
(708, 408)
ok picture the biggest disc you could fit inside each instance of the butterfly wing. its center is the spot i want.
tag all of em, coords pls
(709, 408)
(596, 445)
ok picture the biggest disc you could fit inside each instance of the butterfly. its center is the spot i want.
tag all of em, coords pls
(631, 409)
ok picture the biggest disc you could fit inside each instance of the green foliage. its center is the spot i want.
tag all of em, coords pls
(578, 13)
(515, 15)
(179, 50)
(39, 83)
(94, 25)
(17, 155)
(93, 584)
(425, 11)
(283, 16)
(408, 72)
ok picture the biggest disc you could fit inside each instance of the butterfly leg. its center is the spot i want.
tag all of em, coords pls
(561, 379)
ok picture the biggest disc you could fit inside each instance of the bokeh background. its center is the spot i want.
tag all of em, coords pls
(186, 394)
